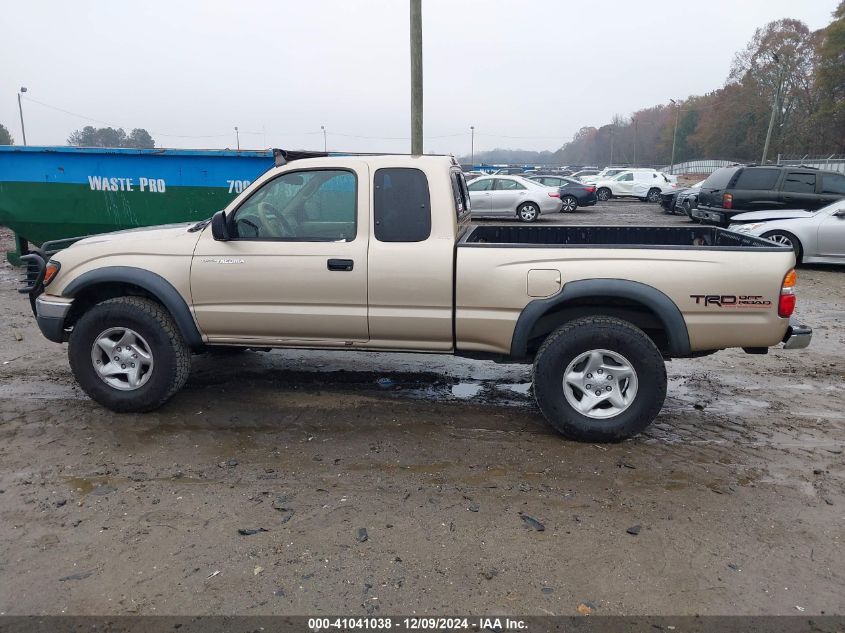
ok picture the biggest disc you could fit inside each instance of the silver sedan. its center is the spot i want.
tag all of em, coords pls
(817, 237)
(512, 196)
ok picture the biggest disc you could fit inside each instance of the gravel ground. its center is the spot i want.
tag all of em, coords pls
(426, 496)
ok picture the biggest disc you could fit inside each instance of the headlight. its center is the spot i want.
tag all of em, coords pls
(745, 228)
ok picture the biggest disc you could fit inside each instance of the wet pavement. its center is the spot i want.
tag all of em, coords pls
(341, 482)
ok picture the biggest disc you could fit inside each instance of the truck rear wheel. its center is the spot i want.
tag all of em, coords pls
(599, 379)
(128, 355)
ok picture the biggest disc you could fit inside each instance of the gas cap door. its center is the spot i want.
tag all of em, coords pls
(543, 282)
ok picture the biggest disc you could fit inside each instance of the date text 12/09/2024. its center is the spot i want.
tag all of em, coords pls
(416, 624)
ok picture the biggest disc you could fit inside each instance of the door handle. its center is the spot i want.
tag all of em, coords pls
(340, 264)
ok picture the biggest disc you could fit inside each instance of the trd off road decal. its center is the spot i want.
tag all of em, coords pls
(732, 301)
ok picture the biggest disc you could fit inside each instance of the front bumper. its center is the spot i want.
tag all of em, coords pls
(797, 335)
(50, 316)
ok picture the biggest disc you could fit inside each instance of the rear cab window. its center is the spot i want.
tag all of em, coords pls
(757, 179)
(720, 178)
(461, 194)
(401, 205)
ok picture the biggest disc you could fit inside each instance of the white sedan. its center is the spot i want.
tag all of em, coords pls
(817, 237)
(512, 196)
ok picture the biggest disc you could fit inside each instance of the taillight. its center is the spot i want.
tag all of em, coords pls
(554, 194)
(590, 189)
(727, 201)
(786, 304)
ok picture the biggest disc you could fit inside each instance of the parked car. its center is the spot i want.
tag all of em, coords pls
(817, 237)
(606, 173)
(378, 253)
(687, 200)
(584, 173)
(730, 191)
(643, 185)
(509, 171)
(512, 196)
(676, 201)
(573, 194)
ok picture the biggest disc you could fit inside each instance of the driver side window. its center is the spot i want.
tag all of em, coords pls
(306, 206)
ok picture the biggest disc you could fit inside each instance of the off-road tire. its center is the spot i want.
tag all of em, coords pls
(172, 356)
(590, 333)
(604, 194)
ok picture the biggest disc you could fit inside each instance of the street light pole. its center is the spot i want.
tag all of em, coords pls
(325, 144)
(20, 110)
(675, 133)
(774, 107)
(416, 78)
(472, 145)
(238, 138)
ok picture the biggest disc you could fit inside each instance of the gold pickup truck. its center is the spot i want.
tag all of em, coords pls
(378, 253)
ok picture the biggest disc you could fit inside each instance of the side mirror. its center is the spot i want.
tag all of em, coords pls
(840, 213)
(220, 227)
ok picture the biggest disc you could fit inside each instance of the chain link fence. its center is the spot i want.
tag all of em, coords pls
(832, 162)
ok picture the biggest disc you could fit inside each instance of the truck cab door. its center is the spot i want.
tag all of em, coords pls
(294, 270)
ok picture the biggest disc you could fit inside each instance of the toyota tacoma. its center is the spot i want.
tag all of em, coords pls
(378, 253)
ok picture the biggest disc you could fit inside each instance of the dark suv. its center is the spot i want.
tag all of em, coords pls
(733, 190)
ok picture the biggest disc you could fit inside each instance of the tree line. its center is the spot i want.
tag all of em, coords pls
(90, 136)
(808, 69)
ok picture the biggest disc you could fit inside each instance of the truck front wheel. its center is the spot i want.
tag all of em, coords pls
(128, 355)
(599, 379)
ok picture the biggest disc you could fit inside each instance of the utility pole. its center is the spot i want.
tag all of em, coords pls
(675, 133)
(611, 142)
(238, 138)
(472, 145)
(774, 107)
(20, 110)
(635, 142)
(325, 144)
(416, 78)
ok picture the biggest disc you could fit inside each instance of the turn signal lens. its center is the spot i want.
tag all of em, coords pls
(50, 272)
(786, 304)
(790, 279)
(727, 201)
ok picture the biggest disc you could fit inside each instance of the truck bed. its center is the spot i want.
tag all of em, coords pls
(660, 237)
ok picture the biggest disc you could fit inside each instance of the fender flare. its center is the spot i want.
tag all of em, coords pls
(155, 284)
(665, 309)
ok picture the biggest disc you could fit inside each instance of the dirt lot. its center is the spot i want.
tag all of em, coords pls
(738, 488)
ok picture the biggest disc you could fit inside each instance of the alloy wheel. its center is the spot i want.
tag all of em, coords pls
(600, 384)
(122, 358)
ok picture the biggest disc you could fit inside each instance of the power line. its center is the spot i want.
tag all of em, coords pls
(283, 134)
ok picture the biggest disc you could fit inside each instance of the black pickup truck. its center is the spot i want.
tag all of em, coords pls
(732, 190)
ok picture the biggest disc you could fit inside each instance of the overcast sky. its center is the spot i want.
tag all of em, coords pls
(526, 74)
